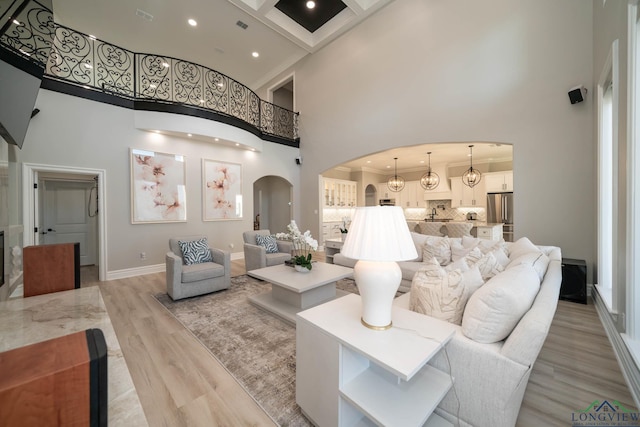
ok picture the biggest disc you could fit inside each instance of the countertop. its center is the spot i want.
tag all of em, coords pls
(25, 321)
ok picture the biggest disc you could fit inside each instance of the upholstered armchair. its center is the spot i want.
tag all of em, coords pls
(256, 256)
(196, 270)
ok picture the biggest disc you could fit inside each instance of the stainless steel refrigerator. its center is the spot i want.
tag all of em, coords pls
(500, 209)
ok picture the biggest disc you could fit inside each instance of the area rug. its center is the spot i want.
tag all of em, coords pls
(256, 347)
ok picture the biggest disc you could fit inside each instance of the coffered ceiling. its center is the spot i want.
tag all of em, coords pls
(227, 31)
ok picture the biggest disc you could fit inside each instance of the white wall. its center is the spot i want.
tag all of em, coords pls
(422, 71)
(71, 131)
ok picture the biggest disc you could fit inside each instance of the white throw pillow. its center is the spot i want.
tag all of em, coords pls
(470, 242)
(442, 294)
(520, 247)
(473, 256)
(501, 256)
(418, 241)
(538, 260)
(496, 308)
(438, 247)
(488, 266)
(459, 251)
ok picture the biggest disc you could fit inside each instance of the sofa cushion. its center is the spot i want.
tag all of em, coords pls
(431, 228)
(202, 271)
(538, 260)
(438, 247)
(496, 308)
(344, 261)
(195, 251)
(409, 269)
(520, 247)
(268, 243)
(442, 294)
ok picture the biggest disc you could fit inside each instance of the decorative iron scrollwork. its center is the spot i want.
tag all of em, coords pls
(80, 59)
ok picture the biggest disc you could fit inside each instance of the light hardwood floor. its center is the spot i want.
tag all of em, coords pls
(181, 384)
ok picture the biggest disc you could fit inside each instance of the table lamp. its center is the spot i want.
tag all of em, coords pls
(378, 237)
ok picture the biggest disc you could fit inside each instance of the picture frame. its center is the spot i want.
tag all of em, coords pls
(158, 187)
(221, 190)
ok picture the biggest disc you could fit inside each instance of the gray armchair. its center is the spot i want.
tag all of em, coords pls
(256, 256)
(185, 281)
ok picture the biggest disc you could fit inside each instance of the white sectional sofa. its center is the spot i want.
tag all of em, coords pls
(490, 377)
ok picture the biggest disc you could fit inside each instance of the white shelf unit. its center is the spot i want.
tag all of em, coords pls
(349, 375)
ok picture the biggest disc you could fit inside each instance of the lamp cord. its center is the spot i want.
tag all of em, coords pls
(446, 354)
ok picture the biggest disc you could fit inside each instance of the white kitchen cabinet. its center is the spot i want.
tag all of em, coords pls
(385, 193)
(412, 196)
(497, 182)
(464, 196)
(489, 232)
(339, 193)
(349, 375)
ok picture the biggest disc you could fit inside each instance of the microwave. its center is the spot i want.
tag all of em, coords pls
(387, 202)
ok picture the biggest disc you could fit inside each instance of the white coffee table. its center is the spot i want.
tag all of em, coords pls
(292, 291)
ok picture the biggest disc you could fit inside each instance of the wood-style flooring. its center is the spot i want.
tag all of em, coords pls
(181, 384)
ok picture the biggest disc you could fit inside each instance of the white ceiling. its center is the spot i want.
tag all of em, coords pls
(416, 158)
(216, 42)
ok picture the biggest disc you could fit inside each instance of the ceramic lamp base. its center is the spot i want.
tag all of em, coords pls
(378, 283)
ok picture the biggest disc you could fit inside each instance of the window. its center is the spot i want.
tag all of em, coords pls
(607, 137)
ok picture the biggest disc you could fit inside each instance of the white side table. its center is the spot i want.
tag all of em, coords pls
(349, 375)
(332, 247)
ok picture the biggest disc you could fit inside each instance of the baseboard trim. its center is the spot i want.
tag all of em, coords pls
(626, 361)
(237, 255)
(136, 271)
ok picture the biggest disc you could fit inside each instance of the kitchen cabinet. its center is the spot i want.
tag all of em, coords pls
(464, 196)
(385, 193)
(489, 231)
(497, 182)
(412, 196)
(331, 230)
(339, 193)
(331, 247)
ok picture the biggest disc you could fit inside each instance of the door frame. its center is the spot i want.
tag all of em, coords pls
(30, 205)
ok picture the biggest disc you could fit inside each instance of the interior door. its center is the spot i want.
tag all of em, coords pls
(69, 216)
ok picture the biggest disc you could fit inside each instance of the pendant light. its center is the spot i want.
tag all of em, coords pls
(472, 176)
(429, 180)
(395, 183)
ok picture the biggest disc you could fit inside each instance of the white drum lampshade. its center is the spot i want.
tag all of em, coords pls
(378, 237)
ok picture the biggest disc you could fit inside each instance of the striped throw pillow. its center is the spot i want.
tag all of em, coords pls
(195, 251)
(268, 242)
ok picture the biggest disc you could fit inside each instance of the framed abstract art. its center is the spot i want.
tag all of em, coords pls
(222, 190)
(158, 187)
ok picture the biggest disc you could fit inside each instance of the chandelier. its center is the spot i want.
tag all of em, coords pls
(395, 183)
(429, 180)
(472, 176)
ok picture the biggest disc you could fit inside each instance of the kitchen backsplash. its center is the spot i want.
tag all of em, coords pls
(443, 211)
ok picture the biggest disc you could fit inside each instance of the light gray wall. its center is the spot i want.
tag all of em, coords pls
(276, 195)
(421, 71)
(75, 132)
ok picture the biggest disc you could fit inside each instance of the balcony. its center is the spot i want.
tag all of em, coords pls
(84, 66)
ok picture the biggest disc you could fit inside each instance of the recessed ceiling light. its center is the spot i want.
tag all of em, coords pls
(388, 167)
(165, 64)
(202, 101)
(92, 37)
(237, 145)
(152, 86)
(156, 131)
(216, 139)
(16, 22)
(253, 149)
(311, 4)
(255, 54)
(189, 135)
(89, 66)
(192, 22)
(368, 161)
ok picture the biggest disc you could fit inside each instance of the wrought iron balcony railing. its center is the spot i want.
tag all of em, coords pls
(84, 61)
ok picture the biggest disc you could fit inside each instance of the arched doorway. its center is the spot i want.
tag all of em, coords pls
(370, 195)
(272, 203)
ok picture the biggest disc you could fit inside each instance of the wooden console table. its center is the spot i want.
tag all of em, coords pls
(349, 375)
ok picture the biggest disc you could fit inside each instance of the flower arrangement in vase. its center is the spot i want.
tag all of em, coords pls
(303, 244)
